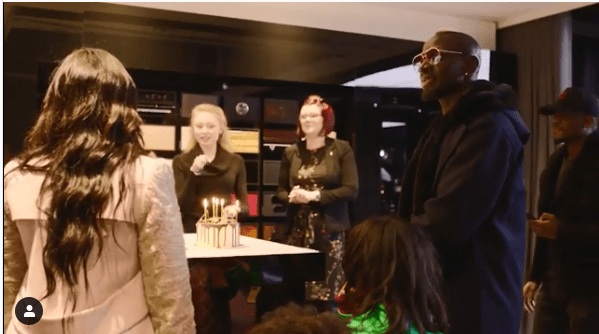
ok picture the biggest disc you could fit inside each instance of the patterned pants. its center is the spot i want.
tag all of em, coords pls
(335, 278)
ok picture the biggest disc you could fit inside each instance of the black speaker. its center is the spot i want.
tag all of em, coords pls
(189, 101)
(242, 109)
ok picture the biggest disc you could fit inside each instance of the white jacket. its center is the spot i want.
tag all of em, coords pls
(140, 283)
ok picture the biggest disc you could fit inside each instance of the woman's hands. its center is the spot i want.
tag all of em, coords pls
(198, 164)
(302, 196)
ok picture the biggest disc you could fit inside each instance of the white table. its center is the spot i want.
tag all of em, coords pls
(296, 263)
(249, 247)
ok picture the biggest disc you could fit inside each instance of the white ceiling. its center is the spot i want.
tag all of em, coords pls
(366, 18)
(415, 21)
(503, 13)
(488, 11)
(388, 19)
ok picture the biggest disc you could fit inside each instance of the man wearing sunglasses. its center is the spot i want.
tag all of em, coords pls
(464, 184)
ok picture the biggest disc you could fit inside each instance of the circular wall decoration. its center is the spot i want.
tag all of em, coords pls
(242, 108)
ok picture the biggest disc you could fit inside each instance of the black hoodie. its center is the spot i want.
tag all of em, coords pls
(466, 188)
(485, 96)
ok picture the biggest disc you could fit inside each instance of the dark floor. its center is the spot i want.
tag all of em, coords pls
(243, 314)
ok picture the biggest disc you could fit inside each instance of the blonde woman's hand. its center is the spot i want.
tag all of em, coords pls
(199, 163)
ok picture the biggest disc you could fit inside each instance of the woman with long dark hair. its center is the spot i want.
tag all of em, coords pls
(91, 225)
(393, 280)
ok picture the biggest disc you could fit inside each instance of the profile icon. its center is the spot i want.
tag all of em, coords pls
(29, 311)
(29, 314)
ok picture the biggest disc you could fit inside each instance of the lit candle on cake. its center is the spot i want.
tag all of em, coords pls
(237, 233)
(222, 207)
(205, 216)
(213, 207)
(218, 210)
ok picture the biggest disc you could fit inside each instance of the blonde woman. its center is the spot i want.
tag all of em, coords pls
(208, 168)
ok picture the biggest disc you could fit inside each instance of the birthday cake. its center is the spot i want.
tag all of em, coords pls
(218, 231)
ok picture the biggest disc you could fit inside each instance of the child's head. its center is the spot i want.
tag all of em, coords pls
(294, 319)
(391, 261)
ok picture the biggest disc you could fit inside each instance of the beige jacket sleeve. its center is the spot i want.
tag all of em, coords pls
(15, 262)
(162, 256)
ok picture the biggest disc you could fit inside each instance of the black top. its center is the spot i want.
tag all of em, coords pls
(564, 170)
(312, 174)
(223, 177)
(331, 169)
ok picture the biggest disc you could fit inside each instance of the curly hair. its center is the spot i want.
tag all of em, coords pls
(294, 319)
(391, 261)
(88, 130)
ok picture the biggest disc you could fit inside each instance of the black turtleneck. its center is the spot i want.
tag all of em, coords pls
(223, 177)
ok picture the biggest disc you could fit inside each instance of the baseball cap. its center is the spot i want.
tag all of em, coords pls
(574, 100)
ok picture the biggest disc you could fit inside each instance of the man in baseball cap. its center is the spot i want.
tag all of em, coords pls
(566, 256)
(574, 100)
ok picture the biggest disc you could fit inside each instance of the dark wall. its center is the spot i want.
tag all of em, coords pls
(177, 42)
(585, 63)
(585, 48)
(198, 53)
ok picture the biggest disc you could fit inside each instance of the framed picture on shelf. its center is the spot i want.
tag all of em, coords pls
(278, 111)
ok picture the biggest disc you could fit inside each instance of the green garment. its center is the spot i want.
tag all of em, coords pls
(374, 322)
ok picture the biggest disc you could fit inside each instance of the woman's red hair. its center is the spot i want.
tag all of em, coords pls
(328, 116)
